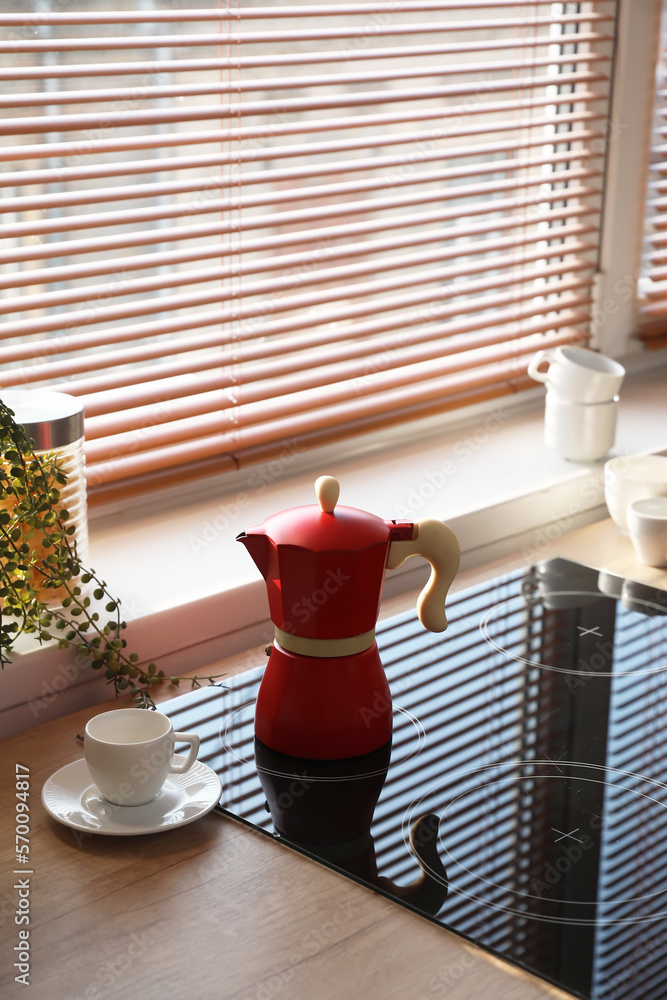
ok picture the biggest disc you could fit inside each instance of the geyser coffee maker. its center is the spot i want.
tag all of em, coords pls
(324, 694)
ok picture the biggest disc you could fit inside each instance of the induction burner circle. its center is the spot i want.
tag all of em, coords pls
(500, 610)
(241, 750)
(476, 807)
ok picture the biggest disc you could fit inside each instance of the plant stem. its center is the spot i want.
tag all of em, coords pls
(32, 511)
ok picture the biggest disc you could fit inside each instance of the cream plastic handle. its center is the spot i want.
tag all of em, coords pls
(436, 542)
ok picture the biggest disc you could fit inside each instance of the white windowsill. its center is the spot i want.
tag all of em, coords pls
(191, 595)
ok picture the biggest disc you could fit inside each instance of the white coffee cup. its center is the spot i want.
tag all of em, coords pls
(578, 374)
(647, 525)
(580, 432)
(632, 477)
(130, 751)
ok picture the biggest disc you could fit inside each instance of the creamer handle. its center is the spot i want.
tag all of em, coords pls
(436, 542)
(535, 362)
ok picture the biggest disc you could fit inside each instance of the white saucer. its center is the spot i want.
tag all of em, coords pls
(71, 797)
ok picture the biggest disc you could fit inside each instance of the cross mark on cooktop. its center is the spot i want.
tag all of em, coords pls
(588, 631)
(564, 835)
(554, 760)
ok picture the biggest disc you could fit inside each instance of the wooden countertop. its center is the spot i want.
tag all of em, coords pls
(214, 910)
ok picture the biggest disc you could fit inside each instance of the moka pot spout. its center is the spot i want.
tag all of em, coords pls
(257, 544)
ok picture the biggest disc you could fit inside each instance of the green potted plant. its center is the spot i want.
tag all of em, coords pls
(44, 588)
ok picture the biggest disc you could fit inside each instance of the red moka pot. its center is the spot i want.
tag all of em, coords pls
(324, 694)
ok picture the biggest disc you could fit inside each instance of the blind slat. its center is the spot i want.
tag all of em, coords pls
(295, 35)
(36, 125)
(126, 144)
(272, 59)
(179, 278)
(107, 488)
(573, 138)
(83, 342)
(323, 418)
(260, 417)
(319, 337)
(67, 248)
(203, 186)
(288, 241)
(96, 220)
(182, 90)
(98, 314)
(250, 13)
(194, 396)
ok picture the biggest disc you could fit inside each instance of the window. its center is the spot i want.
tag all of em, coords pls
(236, 228)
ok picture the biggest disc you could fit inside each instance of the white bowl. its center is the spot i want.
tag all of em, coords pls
(580, 432)
(647, 526)
(632, 477)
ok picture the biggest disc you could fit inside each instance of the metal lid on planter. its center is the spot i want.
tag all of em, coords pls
(51, 419)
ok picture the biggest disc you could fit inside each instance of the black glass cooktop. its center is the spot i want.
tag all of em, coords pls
(523, 800)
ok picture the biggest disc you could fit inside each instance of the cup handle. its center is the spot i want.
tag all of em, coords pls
(534, 365)
(193, 740)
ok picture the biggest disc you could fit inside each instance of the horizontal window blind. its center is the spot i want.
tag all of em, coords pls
(652, 284)
(239, 229)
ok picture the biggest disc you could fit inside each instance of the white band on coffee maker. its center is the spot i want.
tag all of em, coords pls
(348, 646)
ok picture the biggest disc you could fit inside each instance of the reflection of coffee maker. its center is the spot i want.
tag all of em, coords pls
(324, 694)
(325, 808)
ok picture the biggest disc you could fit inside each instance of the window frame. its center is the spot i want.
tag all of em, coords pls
(615, 313)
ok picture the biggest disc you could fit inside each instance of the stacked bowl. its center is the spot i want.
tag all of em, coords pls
(635, 489)
(582, 400)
